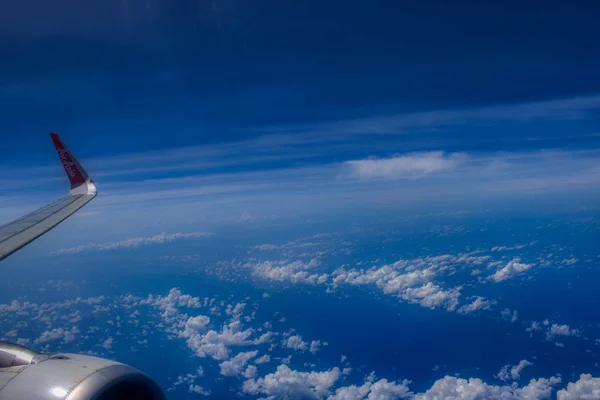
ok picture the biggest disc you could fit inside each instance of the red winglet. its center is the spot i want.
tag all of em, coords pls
(76, 174)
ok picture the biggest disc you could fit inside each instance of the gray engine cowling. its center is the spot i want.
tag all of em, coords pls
(27, 374)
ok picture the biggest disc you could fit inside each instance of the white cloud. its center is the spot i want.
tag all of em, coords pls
(187, 378)
(509, 315)
(569, 261)
(515, 247)
(134, 242)
(402, 166)
(220, 342)
(287, 383)
(213, 343)
(250, 372)
(508, 371)
(315, 346)
(287, 360)
(170, 305)
(292, 272)
(107, 344)
(199, 390)
(480, 303)
(235, 366)
(535, 326)
(451, 387)
(413, 285)
(266, 247)
(67, 335)
(431, 295)
(12, 333)
(514, 267)
(196, 324)
(245, 217)
(49, 336)
(263, 360)
(562, 330)
(373, 390)
(295, 342)
(585, 388)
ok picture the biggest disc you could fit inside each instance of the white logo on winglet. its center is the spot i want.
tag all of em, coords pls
(63, 154)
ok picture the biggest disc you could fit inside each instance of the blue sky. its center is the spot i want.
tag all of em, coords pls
(130, 76)
(227, 110)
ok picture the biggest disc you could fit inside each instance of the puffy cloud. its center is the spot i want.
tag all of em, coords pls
(170, 305)
(133, 242)
(287, 383)
(373, 390)
(201, 338)
(236, 310)
(263, 360)
(67, 335)
(390, 280)
(431, 295)
(451, 387)
(195, 324)
(586, 387)
(414, 286)
(508, 371)
(107, 344)
(315, 346)
(235, 366)
(509, 315)
(250, 372)
(480, 303)
(562, 330)
(292, 272)
(11, 333)
(49, 336)
(187, 378)
(216, 344)
(199, 390)
(514, 267)
(295, 342)
(409, 165)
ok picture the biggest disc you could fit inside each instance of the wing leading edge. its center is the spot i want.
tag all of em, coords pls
(26, 229)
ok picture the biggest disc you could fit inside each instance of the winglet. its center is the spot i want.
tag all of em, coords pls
(81, 183)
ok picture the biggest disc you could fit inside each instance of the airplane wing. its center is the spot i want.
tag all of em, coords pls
(26, 229)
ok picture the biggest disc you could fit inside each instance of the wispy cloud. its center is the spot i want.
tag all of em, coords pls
(290, 170)
(133, 242)
(402, 166)
(513, 371)
(403, 123)
(513, 268)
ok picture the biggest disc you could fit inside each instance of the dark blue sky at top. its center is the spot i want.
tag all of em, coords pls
(204, 71)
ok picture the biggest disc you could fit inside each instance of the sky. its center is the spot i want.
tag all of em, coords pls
(168, 101)
(420, 177)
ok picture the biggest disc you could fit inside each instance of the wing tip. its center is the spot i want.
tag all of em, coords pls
(81, 182)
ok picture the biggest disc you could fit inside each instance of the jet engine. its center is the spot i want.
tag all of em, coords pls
(26, 374)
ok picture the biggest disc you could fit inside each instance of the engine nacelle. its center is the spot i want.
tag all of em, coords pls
(27, 374)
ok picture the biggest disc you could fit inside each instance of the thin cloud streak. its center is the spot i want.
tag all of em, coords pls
(410, 165)
(561, 109)
(441, 177)
(133, 242)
